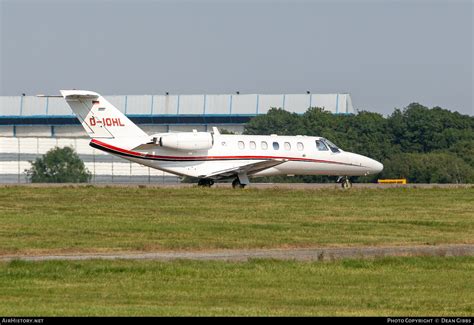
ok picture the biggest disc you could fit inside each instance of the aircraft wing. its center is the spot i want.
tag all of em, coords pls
(248, 169)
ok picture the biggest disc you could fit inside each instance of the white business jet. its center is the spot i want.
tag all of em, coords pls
(211, 156)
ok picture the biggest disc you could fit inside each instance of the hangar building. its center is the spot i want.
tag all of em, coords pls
(30, 126)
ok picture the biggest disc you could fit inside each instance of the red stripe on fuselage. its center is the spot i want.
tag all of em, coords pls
(181, 158)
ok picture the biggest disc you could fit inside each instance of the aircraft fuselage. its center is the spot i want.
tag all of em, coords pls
(300, 155)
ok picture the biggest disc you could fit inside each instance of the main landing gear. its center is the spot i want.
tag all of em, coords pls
(205, 182)
(236, 183)
(345, 182)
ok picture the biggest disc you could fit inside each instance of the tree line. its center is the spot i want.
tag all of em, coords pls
(417, 143)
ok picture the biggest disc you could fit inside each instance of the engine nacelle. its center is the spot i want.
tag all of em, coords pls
(187, 141)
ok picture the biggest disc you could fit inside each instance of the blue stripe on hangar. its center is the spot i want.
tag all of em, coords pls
(138, 119)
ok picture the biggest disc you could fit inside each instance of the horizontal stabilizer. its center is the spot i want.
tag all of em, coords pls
(49, 96)
(79, 94)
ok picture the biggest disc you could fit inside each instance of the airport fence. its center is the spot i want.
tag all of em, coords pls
(16, 154)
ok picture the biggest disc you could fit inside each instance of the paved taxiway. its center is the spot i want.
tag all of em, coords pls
(295, 186)
(299, 254)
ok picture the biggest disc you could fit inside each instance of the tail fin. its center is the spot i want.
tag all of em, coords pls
(99, 118)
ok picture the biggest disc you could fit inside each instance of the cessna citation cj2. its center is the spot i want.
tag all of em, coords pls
(211, 156)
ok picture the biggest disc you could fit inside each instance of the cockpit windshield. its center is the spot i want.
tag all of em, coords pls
(331, 145)
(321, 145)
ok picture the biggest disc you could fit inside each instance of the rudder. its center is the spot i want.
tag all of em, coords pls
(100, 118)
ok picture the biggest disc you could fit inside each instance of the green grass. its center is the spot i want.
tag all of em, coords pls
(89, 219)
(422, 286)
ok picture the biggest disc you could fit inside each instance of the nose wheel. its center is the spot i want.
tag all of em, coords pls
(345, 182)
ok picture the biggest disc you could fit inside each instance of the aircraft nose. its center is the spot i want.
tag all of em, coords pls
(369, 166)
(374, 167)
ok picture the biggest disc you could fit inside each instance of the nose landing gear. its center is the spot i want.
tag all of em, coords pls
(345, 182)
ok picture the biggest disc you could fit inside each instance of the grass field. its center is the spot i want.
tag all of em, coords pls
(90, 219)
(421, 286)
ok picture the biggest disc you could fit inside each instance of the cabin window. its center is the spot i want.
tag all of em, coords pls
(276, 145)
(253, 146)
(321, 145)
(241, 145)
(287, 146)
(300, 146)
(264, 145)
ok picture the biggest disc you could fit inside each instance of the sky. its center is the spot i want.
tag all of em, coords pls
(386, 54)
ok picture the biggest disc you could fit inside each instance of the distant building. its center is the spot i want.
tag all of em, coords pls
(30, 126)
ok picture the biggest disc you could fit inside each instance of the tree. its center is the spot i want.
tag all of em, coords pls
(366, 133)
(318, 122)
(276, 121)
(417, 128)
(424, 145)
(225, 131)
(59, 165)
(428, 168)
(465, 150)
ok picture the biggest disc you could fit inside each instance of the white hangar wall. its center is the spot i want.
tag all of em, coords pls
(246, 104)
(16, 153)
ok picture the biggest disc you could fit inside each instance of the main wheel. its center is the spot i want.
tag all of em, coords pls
(205, 182)
(236, 183)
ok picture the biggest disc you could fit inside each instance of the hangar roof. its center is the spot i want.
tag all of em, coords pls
(168, 108)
